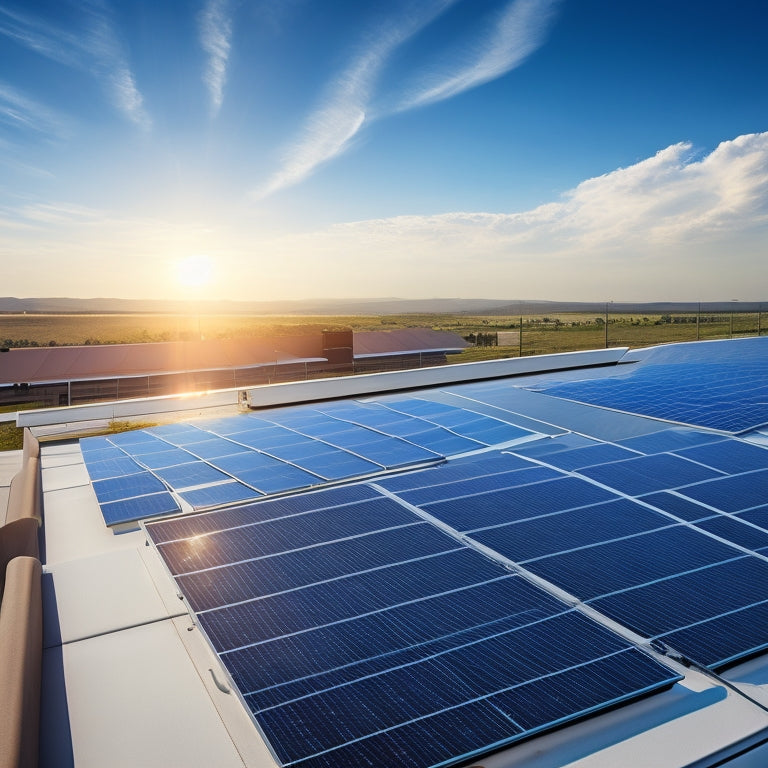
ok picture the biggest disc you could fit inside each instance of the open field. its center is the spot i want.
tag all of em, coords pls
(541, 334)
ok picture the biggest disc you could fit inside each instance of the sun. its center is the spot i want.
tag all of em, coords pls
(194, 271)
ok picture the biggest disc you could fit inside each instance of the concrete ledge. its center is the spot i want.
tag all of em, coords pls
(392, 381)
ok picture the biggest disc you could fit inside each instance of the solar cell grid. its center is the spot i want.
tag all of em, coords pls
(166, 458)
(504, 506)
(731, 456)
(286, 478)
(126, 487)
(129, 510)
(736, 531)
(677, 505)
(214, 448)
(669, 440)
(649, 473)
(222, 493)
(588, 456)
(731, 494)
(474, 485)
(553, 444)
(112, 467)
(194, 473)
(542, 536)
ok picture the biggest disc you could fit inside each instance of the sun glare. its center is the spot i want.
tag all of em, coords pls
(194, 271)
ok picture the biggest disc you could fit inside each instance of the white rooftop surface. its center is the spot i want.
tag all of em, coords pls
(129, 680)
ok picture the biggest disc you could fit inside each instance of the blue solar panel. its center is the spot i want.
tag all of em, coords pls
(731, 456)
(605, 568)
(338, 465)
(669, 440)
(189, 475)
(313, 564)
(697, 606)
(545, 446)
(130, 510)
(127, 487)
(286, 478)
(758, 517)
(472, 486)
(95, 453)
(646, 474)
(505, 506)
(115, 467)
(208, 522)
(550, 534)
(721, 385)
(169, 458)
(587, 456)
(214, 448)
(741, 533)
(245, 461)
(325, 612)
(89, 444)
(135, 438)
(172, 432)
(285, 534)
(678, 506)
(223, 493)
(732, 494)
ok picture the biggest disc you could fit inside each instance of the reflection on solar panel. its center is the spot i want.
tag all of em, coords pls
(292, 449)
(359, 634)
(720, 386)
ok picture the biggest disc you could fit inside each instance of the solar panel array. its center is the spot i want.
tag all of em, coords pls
(720, 386)
(360, 634)
(228, 460)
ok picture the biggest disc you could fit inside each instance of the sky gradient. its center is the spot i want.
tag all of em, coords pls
(578, 150)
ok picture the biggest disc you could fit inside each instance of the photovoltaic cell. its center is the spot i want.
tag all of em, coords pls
(223, 493)
(167, 458)
(588, 456)
(285, 478)
(669, 440)
(139, 484)
(731, 494)
(735, 530)
(189, 475)
(676, 505)
(505, 506)
(214, 448)
(731, 456)
(129, 510)
(117, 467)
(544, 446)
(648, 473)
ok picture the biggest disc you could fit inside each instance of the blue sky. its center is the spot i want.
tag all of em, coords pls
(289, 149)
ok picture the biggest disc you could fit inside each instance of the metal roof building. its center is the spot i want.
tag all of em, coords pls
(548, 561)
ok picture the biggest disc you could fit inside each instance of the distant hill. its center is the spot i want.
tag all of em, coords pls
(385, 306)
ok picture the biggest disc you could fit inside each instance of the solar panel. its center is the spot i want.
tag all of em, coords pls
(130, 510)
(126, 487)
(731, 494)
(731, 456)
(113, 467)
(676, 505)
(214, 448)
(544, 446)
(504, 506)
(359, 632)
(669, 440)
(167, 458)
(188, 475)
(223, 493)
(587, 456)
(542, 536)
(286, 478)
(735, 530)
(648, 473)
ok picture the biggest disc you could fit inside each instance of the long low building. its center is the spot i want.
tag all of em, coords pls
(538, 562)
(69, 375)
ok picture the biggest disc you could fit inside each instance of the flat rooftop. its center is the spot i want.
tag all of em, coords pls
(548, 561)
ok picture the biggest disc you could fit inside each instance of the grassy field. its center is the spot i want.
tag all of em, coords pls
(541, 334)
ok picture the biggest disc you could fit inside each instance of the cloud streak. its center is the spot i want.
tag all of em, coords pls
(657, 229)
(95, 50)
(215, 28)
(330, 129)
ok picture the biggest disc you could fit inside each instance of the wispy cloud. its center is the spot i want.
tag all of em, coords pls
(518, 31)
(215, 25)
(330, 129)
(20, 111)
(96, 49)
(676, 224)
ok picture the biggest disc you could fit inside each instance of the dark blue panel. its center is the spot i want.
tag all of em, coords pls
(731, 456)
(568, 530)
(242, 462)
(491, 431)
(169, 458)
(724, 639)
(284, 534)
(669, 440)
(339, 653)
(304, 449)
(527, 501)
(402, 696)
(174, 432)
(88, 444)
(734, 530)
(219, 520)
(224, 493)
(338, 466)
(678, 506)
(732, 494)
(117, 467)
(135, 438)
(648, 473)
(191, 474)
(214, 448)
(758, 517)
(103, 454)
(263, 439)
(588, 456)
(270, 617)
(442, 441)
(126, 487)
(604, 568)
(286, 478)
(545, 446)
(268, 575)
(473, 486)
(129, 510)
